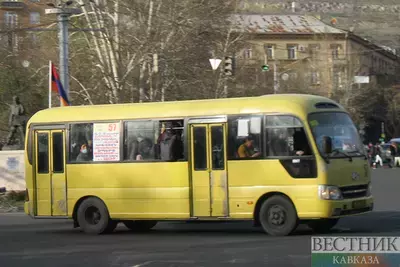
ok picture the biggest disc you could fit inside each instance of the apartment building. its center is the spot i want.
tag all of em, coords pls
(304, 54)
(17, 23)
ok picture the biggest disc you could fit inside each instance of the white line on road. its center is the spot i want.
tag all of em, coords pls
(143, 264)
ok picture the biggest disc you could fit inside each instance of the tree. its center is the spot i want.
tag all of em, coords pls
(150, 47)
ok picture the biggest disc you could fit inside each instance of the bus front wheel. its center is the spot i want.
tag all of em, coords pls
(322, 225)
(140, 225)
(278, 217)
(93, 217)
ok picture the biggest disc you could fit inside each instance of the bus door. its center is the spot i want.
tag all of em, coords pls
(50, 178)
(208, 170)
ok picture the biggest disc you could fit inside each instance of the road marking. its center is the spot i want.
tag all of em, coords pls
(143, 264)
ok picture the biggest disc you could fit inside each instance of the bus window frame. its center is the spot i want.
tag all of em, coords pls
(310, 141)
(91, 122)
(262, 139)
(154, 120)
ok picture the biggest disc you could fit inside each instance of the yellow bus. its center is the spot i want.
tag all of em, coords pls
(279, 160)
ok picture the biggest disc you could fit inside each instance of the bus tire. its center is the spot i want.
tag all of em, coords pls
(278, 217)
(140, 225)
(93, 217)
(322, 225)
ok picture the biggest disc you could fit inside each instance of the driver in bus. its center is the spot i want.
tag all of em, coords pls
(246, 150)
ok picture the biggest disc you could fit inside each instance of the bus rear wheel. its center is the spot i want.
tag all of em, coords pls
(140, 225)
(93, 217)
(322, 225)
(278, 217)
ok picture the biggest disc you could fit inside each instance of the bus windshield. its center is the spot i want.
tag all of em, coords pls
(340, 128)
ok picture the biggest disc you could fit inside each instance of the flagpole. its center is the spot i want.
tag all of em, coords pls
(50, 82)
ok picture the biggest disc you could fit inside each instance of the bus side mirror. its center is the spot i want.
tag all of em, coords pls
(327, 145)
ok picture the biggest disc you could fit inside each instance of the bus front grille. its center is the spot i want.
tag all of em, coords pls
(354, 191)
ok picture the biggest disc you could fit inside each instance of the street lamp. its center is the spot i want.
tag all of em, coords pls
(63, 12)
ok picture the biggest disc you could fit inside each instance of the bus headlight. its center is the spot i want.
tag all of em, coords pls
(329, 192)
(369, 190)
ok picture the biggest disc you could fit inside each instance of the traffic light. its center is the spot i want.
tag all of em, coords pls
(265, 68)
(229, 68)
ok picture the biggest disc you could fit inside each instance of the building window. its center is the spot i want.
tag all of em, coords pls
(153, 140)
(248, 53)
(315, 77)
(292, 51)
(314, 48)
(335, 51)
(11, 19)
(35, 17)
(337, 79)
(244, 137)
(270, 51)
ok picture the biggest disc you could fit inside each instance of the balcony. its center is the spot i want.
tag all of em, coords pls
(12, 5)
(340, 61)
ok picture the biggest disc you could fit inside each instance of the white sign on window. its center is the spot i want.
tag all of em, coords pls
(106, 141)
(255, 125)
(243, 128)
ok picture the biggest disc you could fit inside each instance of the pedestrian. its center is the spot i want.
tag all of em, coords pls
(393, 153)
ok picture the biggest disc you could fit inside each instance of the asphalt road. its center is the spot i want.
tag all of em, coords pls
(27, 242)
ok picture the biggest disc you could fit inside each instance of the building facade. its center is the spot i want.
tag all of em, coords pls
(303, 54)
(18, 22)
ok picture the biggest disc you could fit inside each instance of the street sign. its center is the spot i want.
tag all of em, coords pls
(215, 63)
(66, 10)
(361, 79)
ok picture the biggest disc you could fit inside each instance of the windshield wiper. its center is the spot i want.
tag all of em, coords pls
(343, 153)
(359, 152)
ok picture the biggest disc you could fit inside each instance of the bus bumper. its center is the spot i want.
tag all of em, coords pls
(339, 208)
(350, 207)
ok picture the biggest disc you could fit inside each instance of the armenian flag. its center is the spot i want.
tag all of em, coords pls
(56, 86)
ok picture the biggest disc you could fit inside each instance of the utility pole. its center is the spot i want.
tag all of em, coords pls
(63, 13)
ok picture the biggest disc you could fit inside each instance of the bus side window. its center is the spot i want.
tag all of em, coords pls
(139, 140)
(153, 140)
(246, 141)
(170, 145)
(285, 137)
(81, 142)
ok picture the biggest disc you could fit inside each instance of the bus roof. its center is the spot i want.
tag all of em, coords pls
(299, 104)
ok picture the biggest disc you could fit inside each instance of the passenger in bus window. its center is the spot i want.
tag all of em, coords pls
(90, 149)
(247, 150)
(83, 155)
(278, 142)
(301, 145)
(145, 148)
(166, 141)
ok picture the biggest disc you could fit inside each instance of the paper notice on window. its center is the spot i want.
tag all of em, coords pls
(243, 128)
(255, 125)
(106, 142)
